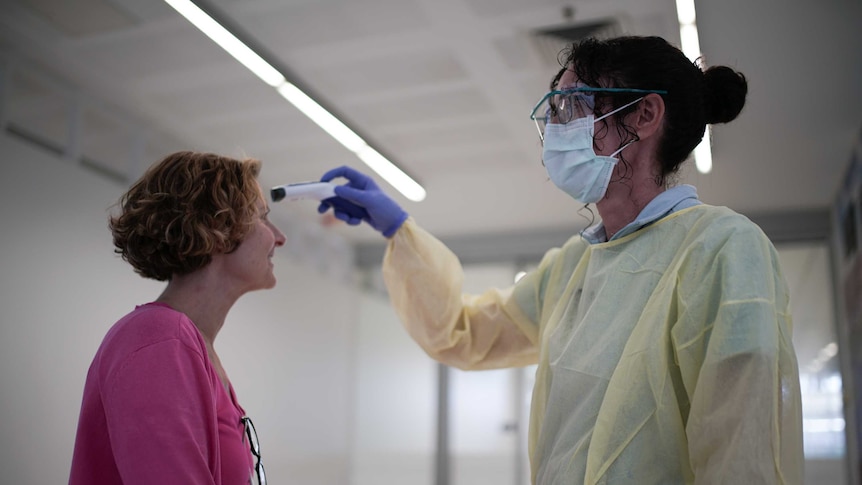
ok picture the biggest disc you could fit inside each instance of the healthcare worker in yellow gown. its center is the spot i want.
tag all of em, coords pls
(662, 334)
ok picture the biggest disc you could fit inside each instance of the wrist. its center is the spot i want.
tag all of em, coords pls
(393, 228)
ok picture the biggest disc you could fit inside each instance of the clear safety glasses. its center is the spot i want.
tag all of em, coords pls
(564, 106)
(251, 433)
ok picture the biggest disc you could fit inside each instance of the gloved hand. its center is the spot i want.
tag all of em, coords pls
(362, 200)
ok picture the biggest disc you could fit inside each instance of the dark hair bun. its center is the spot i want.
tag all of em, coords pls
(724, 94)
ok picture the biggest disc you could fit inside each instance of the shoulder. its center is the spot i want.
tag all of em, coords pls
(558, 263)
(572, 249)
(724, 244)
(148, 325)
(569, 253)
(716, 226)
(717, 216)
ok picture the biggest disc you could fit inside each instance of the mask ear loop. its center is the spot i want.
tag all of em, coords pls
(618, 109)
(614, 154)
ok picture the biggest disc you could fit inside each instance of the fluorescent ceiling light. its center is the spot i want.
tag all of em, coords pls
(703, 153)
(391, 174)
(303, 102)
(685, 11)
(323, 118)
(688, 37)
(690, 42)
(227, 41)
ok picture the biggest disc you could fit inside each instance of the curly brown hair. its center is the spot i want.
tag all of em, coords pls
(183, 210)
(693, 98)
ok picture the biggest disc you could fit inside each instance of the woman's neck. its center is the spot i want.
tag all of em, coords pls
(625, 200)
(203, 299)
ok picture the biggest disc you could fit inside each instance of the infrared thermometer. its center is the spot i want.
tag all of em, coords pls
(303, 190)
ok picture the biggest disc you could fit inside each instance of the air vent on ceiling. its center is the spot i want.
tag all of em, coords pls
(549, 41)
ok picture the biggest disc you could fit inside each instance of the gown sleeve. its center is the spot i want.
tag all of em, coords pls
(733, 346)
(492, 330)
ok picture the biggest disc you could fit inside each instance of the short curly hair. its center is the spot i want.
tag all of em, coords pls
(184, 209)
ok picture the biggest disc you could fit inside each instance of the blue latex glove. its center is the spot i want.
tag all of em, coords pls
(362, 200)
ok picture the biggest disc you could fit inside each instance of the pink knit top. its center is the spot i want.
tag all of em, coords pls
(155, 411)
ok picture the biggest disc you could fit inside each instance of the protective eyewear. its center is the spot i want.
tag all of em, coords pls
(251, 433)
(567, 105)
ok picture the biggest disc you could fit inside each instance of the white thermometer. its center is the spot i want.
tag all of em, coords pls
(303, 190)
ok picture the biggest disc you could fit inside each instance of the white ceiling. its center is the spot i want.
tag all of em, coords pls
(442, 86)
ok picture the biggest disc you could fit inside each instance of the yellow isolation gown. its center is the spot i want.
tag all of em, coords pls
(664, 357)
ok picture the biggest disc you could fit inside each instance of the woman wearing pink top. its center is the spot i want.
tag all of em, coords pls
(158, 406)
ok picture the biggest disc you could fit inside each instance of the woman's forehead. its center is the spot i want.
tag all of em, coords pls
(568, 80)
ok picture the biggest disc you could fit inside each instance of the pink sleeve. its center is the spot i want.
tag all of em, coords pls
(161, 413)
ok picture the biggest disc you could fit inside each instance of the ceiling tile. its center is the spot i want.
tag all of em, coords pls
(345, 79)
(82, 18)
(421, 108)
(292, 26)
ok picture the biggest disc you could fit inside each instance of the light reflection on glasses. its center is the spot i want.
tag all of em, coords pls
(254, 444)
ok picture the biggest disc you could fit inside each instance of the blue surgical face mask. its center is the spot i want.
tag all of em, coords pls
(571, 161)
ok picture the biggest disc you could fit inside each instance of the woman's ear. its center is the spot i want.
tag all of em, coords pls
(649, 116)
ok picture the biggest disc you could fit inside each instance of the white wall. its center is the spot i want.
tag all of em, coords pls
(485, 448)
(287, 351)
(396, 405)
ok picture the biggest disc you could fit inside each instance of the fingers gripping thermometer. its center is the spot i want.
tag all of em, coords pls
(303, 190)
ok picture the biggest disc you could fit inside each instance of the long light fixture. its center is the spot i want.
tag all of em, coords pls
(691, 48)
(299, 99)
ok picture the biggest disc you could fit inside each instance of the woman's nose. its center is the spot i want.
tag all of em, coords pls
(280, 238)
